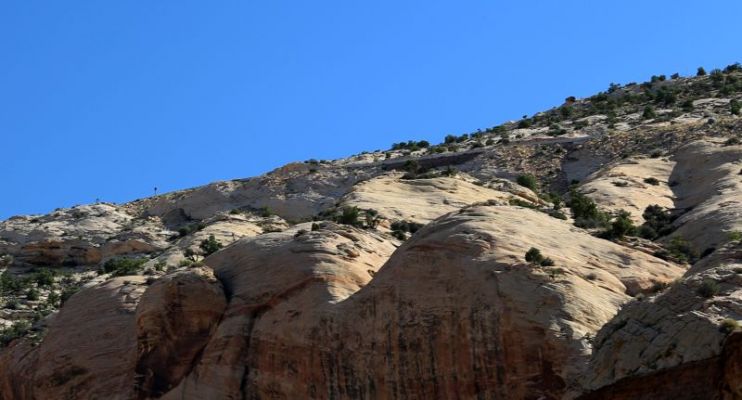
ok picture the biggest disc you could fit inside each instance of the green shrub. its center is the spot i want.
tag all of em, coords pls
(123, 266)
(514, 201)
(32, 294)
(586, 212)
(210, 245)
(554, 272)
(412, 166)
(43, 277)
(647, 232)
(658, 222)
(732, 68)
(9, 284)
(188, 229)
(411, 145)
(67, 293)
(547, 262)
(708, 289)
(349, 216)
(579, 124)
(190, 254)
(449, 171)
(372, 219)
(648, 113)
(735, 106)
(701, 71)
(682, 250)
(621, 226)
(652, 181)
(566, 111)
(399, 235)
(687, 105)
(13, 332)
(558, 214)
(729, 325)
(524, 123)
(160, 265)
(528, 181)
(534, 256)
(400, 229)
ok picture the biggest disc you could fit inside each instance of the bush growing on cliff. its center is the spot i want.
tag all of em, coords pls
(649, 113)
(621, 226)
(735, 106)
(10, 284)
(372, 219)
(682, 250)
(43, 277)
(657, 222)
(188, 229)
(652, 181)
(528, 181)
(32, 294)
(729, 325)
(708, 289)
(15, 331)
(123, 266)
(687, 105)
(349, 216)
(586, 212)
(534, 256)
(411, 145)
(400, 229)
(210, 245)
(524, 123)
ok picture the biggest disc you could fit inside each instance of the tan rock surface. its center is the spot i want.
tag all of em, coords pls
(418, 200)
(454, 311)
(622, 186)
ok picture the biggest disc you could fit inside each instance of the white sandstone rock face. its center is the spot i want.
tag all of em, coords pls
(623, 187)
(418, 200)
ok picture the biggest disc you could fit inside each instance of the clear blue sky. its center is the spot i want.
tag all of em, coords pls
(107, 99)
